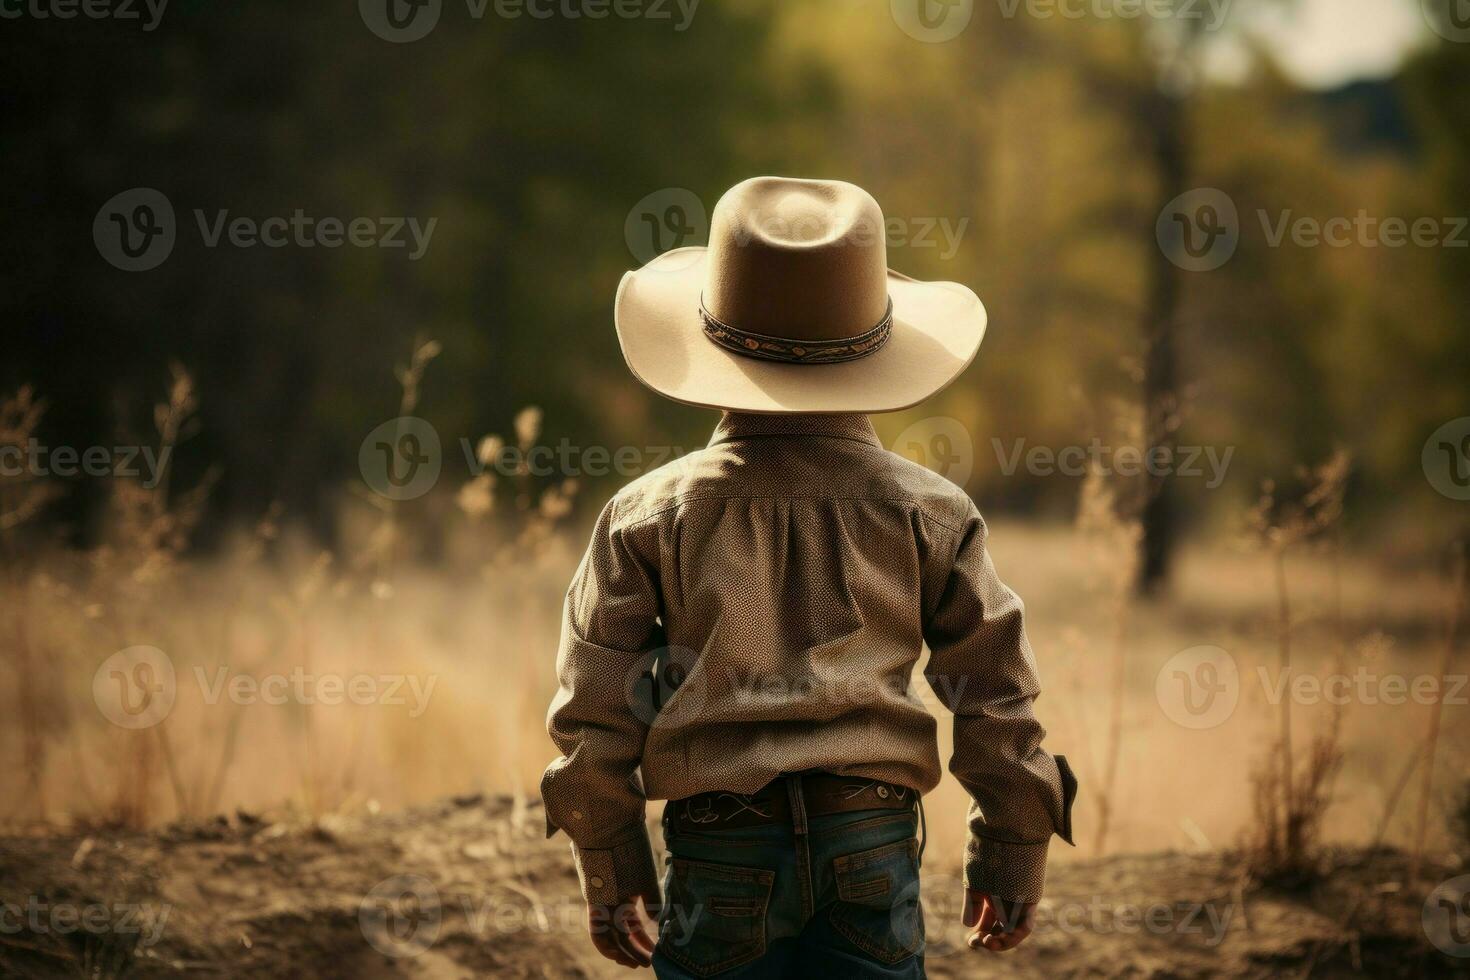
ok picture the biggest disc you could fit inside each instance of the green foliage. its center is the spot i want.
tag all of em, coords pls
(530, 140)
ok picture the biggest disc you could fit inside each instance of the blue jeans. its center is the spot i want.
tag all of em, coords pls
(754, 902)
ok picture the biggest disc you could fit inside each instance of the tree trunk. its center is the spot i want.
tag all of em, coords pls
(1163, 118)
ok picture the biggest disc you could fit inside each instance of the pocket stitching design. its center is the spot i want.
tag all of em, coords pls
(856, 936)
(757, 909)
(729, 872)
(865, 889)
(860, 860)
(845, 866)
(734, 908)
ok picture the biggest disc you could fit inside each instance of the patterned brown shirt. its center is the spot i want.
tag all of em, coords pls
(779, 587)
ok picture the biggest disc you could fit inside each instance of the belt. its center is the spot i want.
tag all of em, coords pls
(822, 793)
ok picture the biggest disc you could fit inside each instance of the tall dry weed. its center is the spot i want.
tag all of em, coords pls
(1110, 530)
(1459, 597)
(22, 498)
(1291, 794)
(1112, 538)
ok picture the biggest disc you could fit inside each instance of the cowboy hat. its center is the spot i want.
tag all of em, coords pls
(792, 308)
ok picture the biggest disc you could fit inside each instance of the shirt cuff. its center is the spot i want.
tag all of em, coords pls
(614, 875)
(1010, 871)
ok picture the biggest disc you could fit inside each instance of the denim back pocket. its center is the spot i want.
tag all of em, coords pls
(714, 916)
(877, 907)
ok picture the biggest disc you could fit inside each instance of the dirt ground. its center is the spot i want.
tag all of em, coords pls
(469, 887)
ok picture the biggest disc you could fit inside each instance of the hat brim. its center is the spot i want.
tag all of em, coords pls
(937, 329)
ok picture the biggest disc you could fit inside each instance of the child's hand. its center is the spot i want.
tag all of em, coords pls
(620, 933)
(1002, 925)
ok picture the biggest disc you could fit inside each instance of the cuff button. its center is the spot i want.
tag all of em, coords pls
(595, 881)
(576, 814)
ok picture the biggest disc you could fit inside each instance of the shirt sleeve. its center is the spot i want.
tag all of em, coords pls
(982, 668)
(609, 630)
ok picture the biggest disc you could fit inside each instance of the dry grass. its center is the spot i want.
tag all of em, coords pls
(1291, 796)
(1449, 653)
(276, 606)
(1109, 530)
(475, 627)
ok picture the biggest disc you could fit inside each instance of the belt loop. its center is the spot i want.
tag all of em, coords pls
(802, 838)
(923, 827)
(798, 804)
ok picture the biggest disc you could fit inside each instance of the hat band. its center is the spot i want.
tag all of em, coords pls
(794, 351)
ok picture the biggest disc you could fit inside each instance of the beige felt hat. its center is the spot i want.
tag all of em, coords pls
(792, 308)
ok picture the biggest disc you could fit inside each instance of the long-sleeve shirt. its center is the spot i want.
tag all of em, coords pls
(757, 608)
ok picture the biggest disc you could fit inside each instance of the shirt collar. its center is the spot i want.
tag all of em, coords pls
(741, 425)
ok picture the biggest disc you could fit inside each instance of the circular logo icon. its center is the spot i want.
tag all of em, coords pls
(932, 21)
(1450, 19)
(656, 678)
(136, 687)
(400, 21)
(936, 926)
(671, 218)
(401, 916)
(1199, 230)
(401, 458)
(135, 230)
(1198, 687)
(1446, 458)
(1447, 916)
(941, 444)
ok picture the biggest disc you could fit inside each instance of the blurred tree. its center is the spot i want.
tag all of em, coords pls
(525, 140)
(1045, 146)
(1154, 89)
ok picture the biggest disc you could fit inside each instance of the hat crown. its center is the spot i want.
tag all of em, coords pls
(797, 259)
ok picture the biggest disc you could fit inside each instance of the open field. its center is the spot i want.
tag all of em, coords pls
(356, 721)
(459, 669)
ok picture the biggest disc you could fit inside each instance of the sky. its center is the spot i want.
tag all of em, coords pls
(1323, 43)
